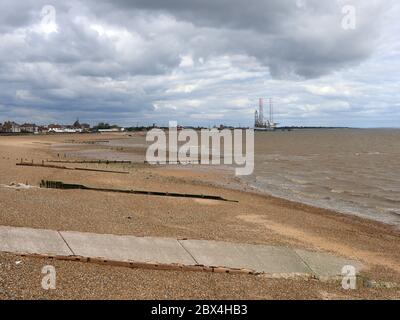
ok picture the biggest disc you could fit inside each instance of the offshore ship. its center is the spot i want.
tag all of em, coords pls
(264, 125)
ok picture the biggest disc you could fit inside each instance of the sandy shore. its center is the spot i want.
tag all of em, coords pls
(256, 218)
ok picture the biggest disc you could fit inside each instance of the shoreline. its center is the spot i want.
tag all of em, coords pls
(214, 174)
(118, 150)
(331, 210)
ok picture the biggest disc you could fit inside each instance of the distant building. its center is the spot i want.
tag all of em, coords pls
(85, 127)
(72, 130)
(42, 129)
(29, 128)
(77, 125)
(55, 128)
(81, 127)
(11, 127)
(58, 128)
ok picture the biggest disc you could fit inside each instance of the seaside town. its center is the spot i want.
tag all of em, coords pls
(11, 127)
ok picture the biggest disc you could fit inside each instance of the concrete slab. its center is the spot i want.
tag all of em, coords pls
(32, 241)
(277, 261)
(259, 258)
(326, 266)
(128, 248)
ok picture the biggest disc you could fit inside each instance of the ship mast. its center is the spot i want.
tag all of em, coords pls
(271, 111)
(259, 122)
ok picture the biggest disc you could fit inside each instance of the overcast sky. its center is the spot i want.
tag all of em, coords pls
(200, 61)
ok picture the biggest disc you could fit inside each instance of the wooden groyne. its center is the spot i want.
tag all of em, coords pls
(67, 186)
(30, 164)
(91, 161)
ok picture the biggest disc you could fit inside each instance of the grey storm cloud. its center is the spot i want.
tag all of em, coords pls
(301, 38)
(130, 58)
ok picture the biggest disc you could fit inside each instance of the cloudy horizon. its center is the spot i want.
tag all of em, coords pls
(200, 62)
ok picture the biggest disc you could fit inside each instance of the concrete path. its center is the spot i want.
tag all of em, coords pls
(168, 253)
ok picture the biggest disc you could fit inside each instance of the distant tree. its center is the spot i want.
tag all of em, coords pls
(102, 125)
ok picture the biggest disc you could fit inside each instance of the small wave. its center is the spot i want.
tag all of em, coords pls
(337, 191)
(394, 211)
(372, 153)
(365, 195)
(295, 179)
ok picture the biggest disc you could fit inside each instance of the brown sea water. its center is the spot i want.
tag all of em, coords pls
(353, 171)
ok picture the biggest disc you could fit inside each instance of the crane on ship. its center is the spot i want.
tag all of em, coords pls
(259, 123)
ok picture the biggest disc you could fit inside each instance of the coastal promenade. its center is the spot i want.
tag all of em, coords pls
(173, 254)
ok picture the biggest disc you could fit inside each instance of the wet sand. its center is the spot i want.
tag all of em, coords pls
(257, 219)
